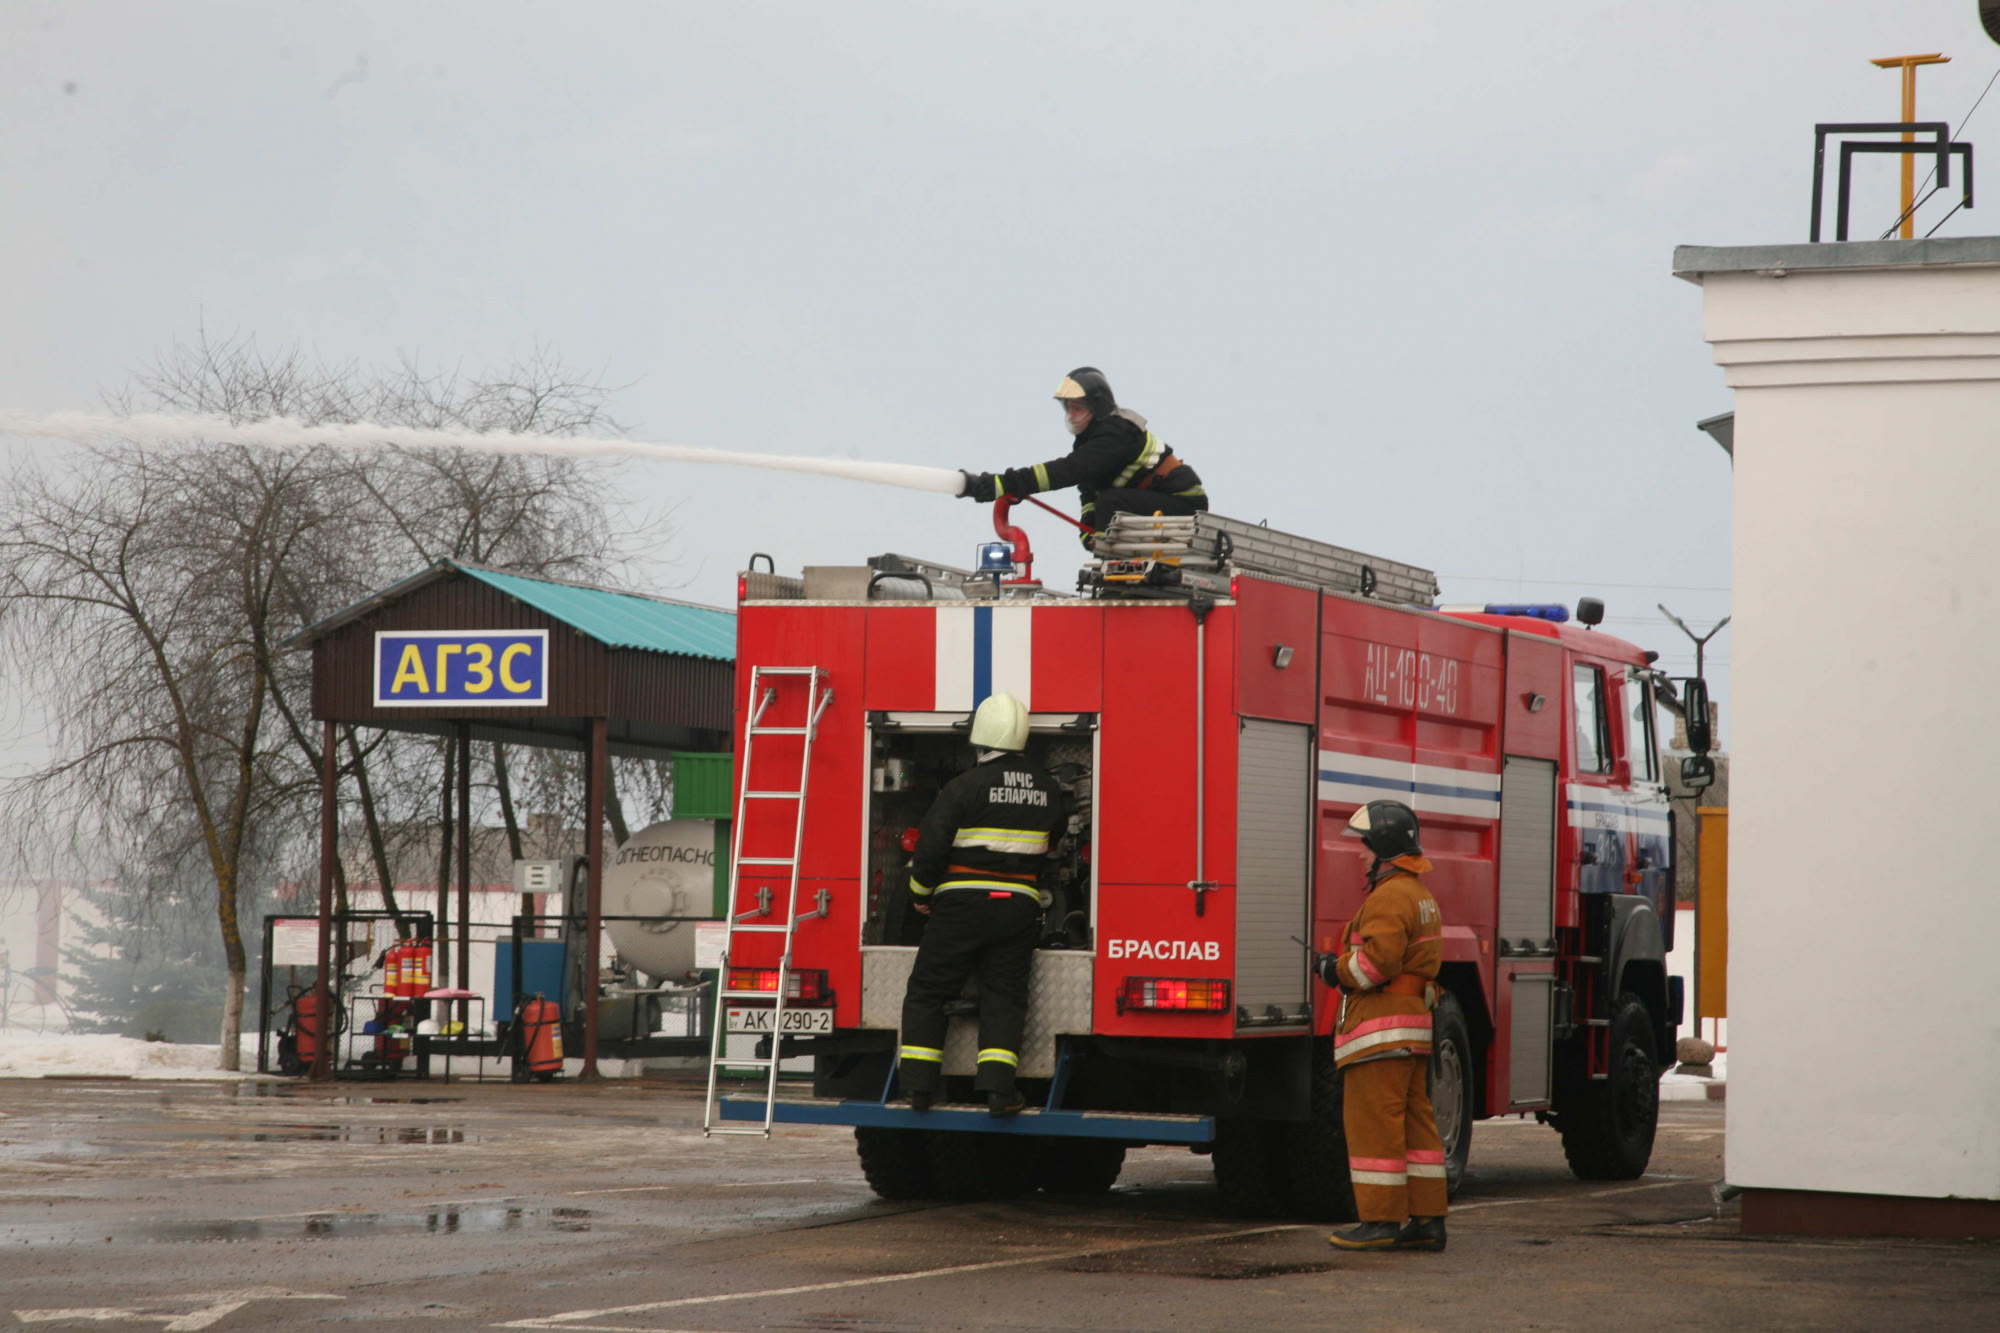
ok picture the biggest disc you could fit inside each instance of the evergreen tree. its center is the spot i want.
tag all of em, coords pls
(148, 961)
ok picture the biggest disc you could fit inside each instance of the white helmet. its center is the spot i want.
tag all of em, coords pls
(1000, 724)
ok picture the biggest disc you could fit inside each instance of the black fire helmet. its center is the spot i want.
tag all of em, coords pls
(1089, 384)
(1387, 828)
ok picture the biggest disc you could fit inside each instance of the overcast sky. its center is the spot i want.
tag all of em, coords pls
(1389, 273)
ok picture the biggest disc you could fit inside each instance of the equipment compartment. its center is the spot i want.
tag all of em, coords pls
(909, 765)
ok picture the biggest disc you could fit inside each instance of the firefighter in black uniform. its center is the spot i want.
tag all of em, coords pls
(980, 853)
(1117, 464)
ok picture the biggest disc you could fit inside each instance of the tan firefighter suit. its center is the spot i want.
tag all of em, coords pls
(1382, 1043)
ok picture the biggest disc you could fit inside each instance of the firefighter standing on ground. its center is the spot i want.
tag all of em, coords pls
(980, 852)
(1117, 464)
(1382, 1041)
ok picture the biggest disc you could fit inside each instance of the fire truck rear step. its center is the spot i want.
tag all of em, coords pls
(1125, 1126)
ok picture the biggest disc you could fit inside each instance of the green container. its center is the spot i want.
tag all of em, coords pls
(704, 786)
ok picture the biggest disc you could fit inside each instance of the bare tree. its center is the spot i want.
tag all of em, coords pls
(146, 595)
(141, 589)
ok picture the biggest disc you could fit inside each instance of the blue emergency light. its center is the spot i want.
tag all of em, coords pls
(996, 558)
(1533, 610)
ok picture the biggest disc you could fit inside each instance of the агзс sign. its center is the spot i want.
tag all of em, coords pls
(462, 668)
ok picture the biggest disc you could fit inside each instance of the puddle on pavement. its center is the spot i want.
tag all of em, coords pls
(36, 1150)
(376, 1134)
(290, 1089)
(456, 1219)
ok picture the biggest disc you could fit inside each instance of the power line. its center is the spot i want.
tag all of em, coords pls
(1923, 199)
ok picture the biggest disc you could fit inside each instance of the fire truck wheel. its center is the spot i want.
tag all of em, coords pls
(1317, 1175)
(969, 1167)
(1452, 1072)
(895, 1163)
(1077, 1166)
(1251, 1169)
(1608, 1124)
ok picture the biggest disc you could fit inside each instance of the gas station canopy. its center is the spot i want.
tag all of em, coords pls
(527, 660)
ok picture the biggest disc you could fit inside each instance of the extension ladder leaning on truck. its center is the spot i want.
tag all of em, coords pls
(1218, 699)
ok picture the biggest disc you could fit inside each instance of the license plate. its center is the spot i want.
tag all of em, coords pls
(796, 1020)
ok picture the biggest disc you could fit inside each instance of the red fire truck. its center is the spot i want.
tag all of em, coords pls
(1218, 698)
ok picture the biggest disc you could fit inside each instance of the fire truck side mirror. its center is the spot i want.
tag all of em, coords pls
(1694, 708)
(1697, 772)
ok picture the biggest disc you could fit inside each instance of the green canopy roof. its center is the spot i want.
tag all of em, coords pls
(614, 619)
(623, 619)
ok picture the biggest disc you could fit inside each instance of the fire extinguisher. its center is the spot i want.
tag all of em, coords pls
(391, 1043)
(538, 1048)
(305, 1023)
(392, 969)
(298, 1045)
(417, 976)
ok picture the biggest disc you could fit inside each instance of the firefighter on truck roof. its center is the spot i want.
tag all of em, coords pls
(980, 852)
(1382, 1041)
(1117, 464)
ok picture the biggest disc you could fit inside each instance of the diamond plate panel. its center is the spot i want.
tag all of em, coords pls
(1058, 1003)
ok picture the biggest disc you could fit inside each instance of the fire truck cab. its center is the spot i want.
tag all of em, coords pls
(1218, 699)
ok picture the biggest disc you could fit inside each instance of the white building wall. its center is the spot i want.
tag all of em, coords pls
(1864, 900)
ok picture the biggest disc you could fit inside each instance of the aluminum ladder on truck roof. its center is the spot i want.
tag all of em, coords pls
(765, 684)
(1210, 541)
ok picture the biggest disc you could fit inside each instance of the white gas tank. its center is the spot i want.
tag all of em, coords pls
(667, 869)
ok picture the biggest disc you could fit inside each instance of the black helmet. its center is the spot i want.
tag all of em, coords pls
(1387, 828)
(1089, 384)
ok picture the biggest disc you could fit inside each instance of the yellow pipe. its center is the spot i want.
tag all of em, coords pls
(1908, 64)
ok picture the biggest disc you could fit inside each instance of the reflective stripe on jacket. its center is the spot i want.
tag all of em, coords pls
(990, 828)
(1112, 453)
(1392, 951)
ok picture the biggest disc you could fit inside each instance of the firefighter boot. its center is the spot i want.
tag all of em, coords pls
(1421, 1233)
(1001, 1105)
(921, 1099)
(1367, 1236)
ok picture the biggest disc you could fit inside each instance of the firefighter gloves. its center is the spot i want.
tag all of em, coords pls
(981, 486)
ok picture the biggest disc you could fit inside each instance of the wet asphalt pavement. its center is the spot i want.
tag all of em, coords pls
(191, 1206)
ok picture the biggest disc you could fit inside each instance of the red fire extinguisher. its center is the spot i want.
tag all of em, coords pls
(417, 968)
(392, 969)
(300, 1042)
(305, 1023)
(540, 1049)
(391, 1043)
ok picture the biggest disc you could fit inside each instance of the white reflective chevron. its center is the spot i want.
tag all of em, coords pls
(1643, 811)
(1429, 788)
(983, 650)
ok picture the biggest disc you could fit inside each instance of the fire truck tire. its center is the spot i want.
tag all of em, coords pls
(1077, 1166)
(1251, 1166)
(1452, 1074)
(1607, 1127)
(1316, 1173)
(968, 1168)
(895, 1163)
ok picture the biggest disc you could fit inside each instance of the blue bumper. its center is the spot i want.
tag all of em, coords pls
(1122, 1126)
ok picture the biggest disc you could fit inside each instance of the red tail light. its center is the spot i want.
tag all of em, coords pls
(806, 985)
(742, 587)
(1189, 994)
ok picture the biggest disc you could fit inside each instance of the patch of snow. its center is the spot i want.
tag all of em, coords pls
(85, 1055)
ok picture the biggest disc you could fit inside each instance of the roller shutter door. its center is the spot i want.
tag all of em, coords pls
(1527, 850)
(1275, 797)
